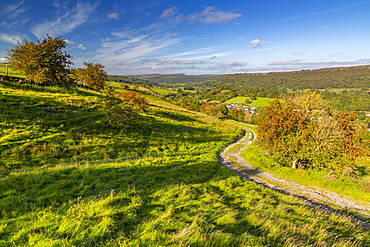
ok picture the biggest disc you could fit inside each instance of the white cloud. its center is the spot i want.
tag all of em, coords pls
(13, 15)
(257, 43)
(149, 60)
(363, 61)
(3, 59)
(296, 65)
(114, 15)
(225, 67)
(276, 63)
(132, 47)
(69, 42)
(67, 22)
(81, 46)
(232, 63)
(12, 39)
(213, 15)
(168, 13)
(208, 52)
(326, 11)
(185, 62)
(73, 44)
(15, 10)
(161, 69)
(298, 52)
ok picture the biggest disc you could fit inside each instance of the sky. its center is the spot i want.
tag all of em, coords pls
(193, 37)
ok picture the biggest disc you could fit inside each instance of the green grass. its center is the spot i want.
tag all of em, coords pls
(163, 91)
(258, 102)
(261, 102)
(189, 91)
(174, 201)
(116, 84)
(237, 100)
(243, 125)
(69, 180)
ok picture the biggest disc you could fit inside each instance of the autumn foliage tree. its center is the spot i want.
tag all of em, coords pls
(136, 100)
(43, 62)
(210, 108)
(121, 107)
(237, 113)
(92, 76)
(304, 132)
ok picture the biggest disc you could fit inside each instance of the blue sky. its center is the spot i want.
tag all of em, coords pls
(196, 37)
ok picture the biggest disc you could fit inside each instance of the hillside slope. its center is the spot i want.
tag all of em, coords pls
(69, 180)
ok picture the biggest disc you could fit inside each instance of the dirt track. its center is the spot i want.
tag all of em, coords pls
(313, 196)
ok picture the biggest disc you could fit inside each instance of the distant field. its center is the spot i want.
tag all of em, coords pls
(189, 91)
(333, 90)
(116, 84)
(340, 90)
(163, 91)
(259, 102)
(237, 100)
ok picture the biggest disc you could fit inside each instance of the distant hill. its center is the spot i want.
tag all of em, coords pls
(175, 78)
(343, 77)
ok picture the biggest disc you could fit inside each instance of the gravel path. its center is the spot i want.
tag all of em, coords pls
(313, 196)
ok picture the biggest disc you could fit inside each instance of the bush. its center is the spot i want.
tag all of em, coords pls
(304, 132)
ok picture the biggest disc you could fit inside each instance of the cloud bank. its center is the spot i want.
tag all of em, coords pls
(12, 39)
(210, 15)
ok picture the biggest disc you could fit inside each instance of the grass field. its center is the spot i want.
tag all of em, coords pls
(69, 180)
(163, 91)
(261, 102)
(258, 102)
(237, 100)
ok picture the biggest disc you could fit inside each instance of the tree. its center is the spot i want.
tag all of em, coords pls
(222, 108)
(237, 114)
(304, 132)
(134, 99)
(92, 76)
(280, 130)
(120, 107)
(42, 62)
(210, 108)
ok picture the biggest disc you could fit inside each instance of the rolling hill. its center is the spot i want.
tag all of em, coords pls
(68, 179)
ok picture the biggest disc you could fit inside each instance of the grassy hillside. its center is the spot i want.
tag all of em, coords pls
(70, 180)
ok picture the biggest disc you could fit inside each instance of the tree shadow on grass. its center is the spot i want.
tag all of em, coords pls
(135, 190)
(59, 132)
(162, 195)
(48, 89)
